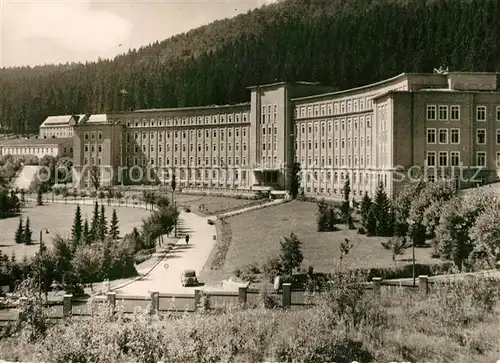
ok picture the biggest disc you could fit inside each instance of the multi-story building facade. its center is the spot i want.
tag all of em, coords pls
(37, 147)
(387, 132)
(57, 127)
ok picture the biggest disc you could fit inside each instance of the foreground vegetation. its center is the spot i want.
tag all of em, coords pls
(456, 322)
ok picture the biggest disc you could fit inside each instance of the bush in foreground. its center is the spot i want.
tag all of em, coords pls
(457, 322)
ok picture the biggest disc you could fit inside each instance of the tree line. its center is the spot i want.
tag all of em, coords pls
(341, 43)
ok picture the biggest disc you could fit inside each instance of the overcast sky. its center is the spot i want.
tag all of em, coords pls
(58, 31)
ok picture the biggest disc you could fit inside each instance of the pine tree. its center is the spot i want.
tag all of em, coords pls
(383, 213)
(94, 224)
(366, 204)
(86, 231)
(103, 228)
(77, 229)
(113, 228)
(27, 232)
(19, 238)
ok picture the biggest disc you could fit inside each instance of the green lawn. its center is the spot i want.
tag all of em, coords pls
(58, 218)
(256, 236)
(212, 205)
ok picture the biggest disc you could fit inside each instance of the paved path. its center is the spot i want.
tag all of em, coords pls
(165, 277)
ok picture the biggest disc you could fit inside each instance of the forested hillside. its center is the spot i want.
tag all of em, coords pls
(339, 42)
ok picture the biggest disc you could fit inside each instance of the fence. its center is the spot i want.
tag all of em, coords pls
(161, 303)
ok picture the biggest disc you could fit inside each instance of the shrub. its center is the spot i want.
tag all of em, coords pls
(272, 268)
(248, 272)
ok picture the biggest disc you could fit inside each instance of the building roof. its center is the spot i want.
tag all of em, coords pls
(284, 83)
(389, 80)
(57, 120)
(34, 142)
(195, 108)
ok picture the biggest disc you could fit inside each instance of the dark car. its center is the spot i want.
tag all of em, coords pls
(188, 278)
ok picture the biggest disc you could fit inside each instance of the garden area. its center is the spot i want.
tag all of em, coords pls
(58, 219)
(448, 232)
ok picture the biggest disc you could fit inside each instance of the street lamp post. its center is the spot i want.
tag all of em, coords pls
(410, 224)
(40, 262)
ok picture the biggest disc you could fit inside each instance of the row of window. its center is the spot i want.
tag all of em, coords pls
(452, 158)
(452, 113)
(267, 116)
(184, 134)
(334, 108)
(352, 124)
(29, 151)
(184, 148)
(342, 144)
(444, 158)
(92, 135)
(185, 121)
(354, 178)
(216, 161)
(342, 159)
(93, 148)
(443, 136)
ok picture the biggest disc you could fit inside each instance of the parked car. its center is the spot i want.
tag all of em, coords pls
(211, 222)
(188, 278)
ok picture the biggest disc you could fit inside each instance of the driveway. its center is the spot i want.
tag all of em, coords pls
(165, 277)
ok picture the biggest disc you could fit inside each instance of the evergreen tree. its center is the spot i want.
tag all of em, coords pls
(113, 228)
(371, 221)
(366, 204)
(322, 216)
(77, 229)
(384, 215)
(295, 180)
(346, 207)
(94, 224)
(14, 202)
(86, 233)
(39, 199)
(19, 238)
(103, 227)
(27, 232)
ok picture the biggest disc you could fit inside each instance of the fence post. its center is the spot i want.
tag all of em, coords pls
(155, 302)
(376, 285)
(197, 297)
(423, 284)
(67, 305)
(242, 295)
(112, 300)
(286, 297)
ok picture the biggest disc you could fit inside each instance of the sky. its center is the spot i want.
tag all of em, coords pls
(34, 32)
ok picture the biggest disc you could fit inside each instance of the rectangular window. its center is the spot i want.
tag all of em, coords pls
(481, 113)
(498, 113)
(455, 113)
(443, 112)
(431, 136)
(431, 112)
(454, 158)
(498, 159)
(443, 158)
(481, 158)
(498, 136)
(443, 136)
(481, 136)
(455, 136)
(431, 158)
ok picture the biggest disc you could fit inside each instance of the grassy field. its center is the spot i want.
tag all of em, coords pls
(256, 237)
(58, 219)
(212, 205)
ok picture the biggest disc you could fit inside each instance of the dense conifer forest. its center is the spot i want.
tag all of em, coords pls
(344, 43)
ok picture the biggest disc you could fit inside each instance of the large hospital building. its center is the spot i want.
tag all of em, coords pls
(379, 133)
